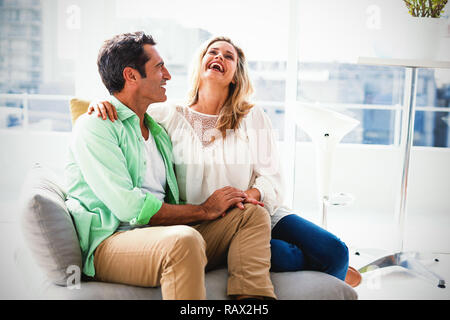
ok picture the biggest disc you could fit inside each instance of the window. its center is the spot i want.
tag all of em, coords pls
(369, 94)
(18, 46)
(64, 43)
(433, 108)
(329, 75)
(53, 51)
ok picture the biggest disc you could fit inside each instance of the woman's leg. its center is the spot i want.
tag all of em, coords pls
(286, 256)
(321, 250)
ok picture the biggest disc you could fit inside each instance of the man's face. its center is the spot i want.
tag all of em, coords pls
(152, 86)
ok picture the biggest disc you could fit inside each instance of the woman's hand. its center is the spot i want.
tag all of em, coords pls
(250, 196)
(253, 196)
(104, 109)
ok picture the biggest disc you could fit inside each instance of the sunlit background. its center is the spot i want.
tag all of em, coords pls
(48, 51)
(49, 47)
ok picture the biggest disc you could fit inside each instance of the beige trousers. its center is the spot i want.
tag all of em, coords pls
(175, 257)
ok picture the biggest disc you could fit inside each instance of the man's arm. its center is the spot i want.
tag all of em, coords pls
(173, 214)
(97, 153)
(216, 205)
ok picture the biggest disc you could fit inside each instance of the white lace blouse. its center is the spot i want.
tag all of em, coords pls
(204, 161)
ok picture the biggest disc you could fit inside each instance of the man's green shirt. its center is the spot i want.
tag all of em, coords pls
(104, 174)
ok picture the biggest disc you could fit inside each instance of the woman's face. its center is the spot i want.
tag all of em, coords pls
(219, 63)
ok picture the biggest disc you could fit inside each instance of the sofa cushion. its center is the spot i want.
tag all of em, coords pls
(77, 108)
(300, 285)
(47, 226)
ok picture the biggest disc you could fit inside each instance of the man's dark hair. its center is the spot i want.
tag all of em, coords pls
(123, 50)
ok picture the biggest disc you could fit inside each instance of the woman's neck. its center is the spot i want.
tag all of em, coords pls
(210, 99)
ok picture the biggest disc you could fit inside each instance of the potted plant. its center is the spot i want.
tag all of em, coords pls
(426, 28)
(425, 8)
(411, 30)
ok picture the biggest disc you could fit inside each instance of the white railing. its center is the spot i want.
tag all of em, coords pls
(25, 110)
(25, 98)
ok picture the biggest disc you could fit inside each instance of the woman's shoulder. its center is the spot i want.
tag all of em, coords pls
(257, 117)
(162, 112)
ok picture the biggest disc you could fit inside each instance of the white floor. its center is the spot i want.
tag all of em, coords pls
(386, 284)
(374, 235)
(397, 283)
(12, 285)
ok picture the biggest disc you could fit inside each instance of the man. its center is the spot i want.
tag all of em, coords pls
(123, 195)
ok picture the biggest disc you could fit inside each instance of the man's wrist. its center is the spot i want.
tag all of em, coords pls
(204, 215)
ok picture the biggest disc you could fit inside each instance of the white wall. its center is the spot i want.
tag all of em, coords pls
(20, 150)
(370, 173)
(373, 173)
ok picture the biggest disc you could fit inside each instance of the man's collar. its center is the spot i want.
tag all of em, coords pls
(123, 113)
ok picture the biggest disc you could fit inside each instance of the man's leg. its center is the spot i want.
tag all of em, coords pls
(171, 256)
(242, 237)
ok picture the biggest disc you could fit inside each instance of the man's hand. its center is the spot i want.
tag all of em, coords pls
(104, 109)
(221, 200)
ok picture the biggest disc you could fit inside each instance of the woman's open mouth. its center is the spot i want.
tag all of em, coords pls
(216, 66)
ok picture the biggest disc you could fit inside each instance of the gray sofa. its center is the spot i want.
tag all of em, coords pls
(51, 241)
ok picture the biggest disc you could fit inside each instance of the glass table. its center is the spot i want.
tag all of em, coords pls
(403, 259)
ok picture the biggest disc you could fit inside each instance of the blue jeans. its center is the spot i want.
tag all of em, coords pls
(298, 244)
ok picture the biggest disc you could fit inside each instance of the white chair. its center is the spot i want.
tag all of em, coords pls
(326, 128)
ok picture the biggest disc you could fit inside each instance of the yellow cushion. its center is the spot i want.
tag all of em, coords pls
(77, 108)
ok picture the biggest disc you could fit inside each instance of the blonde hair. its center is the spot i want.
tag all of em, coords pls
(236, 105)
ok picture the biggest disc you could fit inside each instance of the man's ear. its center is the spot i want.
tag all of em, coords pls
(129, 74)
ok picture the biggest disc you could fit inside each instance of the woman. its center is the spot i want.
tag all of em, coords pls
(219, 138)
